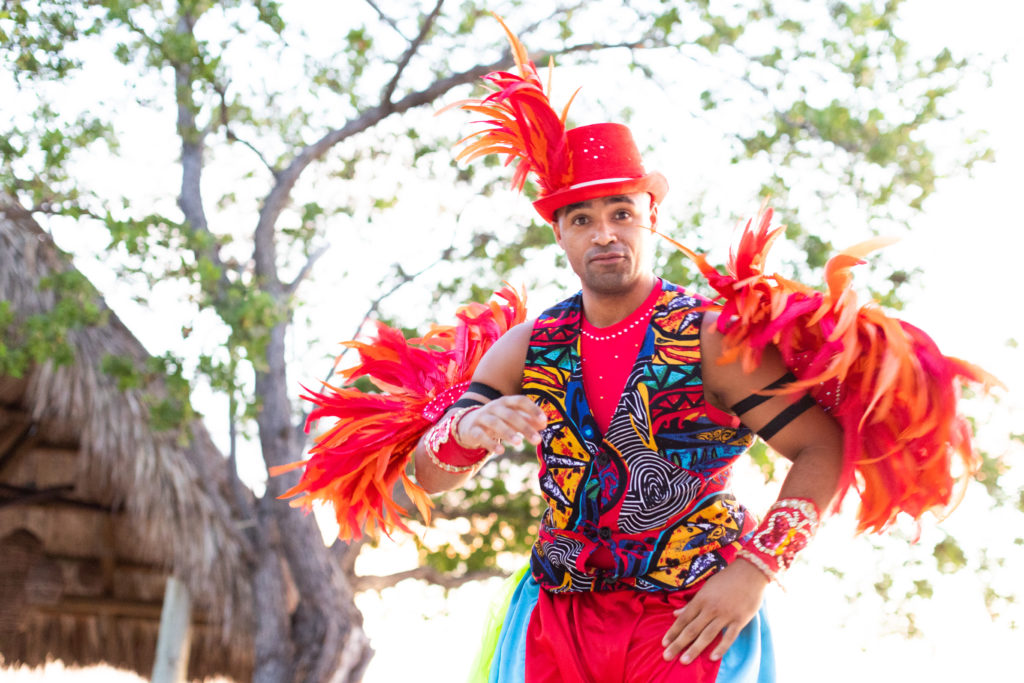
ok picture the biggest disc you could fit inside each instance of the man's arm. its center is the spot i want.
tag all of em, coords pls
(812, 441)
(510, 418)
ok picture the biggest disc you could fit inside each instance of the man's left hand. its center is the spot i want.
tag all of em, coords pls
(724, 605)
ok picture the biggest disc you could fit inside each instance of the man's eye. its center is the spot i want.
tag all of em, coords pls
(579, 220)
(623, 215)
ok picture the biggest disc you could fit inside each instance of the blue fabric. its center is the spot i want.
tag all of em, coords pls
(751, 658)
(509, 663)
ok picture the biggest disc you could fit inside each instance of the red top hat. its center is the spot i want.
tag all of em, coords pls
(570, 166)
(604, 161)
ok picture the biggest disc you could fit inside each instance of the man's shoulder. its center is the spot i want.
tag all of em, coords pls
(516, 341)
(561, 309)
(502, 365)
(518, 334)
(682, 292)
(681, 297)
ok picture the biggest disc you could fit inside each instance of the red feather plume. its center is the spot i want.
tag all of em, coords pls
(356, 463)
(885, 381)
(522, 125)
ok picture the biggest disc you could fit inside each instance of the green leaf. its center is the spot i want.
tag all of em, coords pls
(949, 556)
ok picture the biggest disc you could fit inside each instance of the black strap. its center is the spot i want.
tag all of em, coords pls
(465, 402)
(754, 400)
(793, 411)
(484, 390)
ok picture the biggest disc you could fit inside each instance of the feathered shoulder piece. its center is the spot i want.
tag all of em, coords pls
(521, 124)
(357, 462)
(885, 381)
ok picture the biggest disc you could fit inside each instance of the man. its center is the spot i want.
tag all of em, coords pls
(646, 568)
(639, 399)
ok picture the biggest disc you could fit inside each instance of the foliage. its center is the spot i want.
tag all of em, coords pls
(42, 337)
(502, 508)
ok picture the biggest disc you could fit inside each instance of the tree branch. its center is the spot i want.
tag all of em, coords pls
(241, 499)
(592, 47)
(291, 287)
(230, 134)
(278, 196)
(47, 208)
(300, 426)
(264, 251)
(428, 574)
(568, 9)
(405, 278)
(414, 45)
(386, 19)
(193, 140)
(345, 554)
(156, 46)
(232, 137)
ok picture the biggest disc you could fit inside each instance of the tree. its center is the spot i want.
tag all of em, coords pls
(303, 127)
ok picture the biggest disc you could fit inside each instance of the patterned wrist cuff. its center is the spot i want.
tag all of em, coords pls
(444, 448)
(786, 530)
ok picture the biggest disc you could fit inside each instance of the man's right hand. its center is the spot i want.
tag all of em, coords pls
(506, 420)
(511, 419)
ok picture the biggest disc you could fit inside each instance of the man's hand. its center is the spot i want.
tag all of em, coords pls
(508, 419)
(724, 605)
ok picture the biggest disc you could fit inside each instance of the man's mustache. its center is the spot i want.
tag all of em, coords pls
(605, 251)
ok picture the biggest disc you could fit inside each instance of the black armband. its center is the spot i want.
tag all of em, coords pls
(754, 400)
(793, 411)
(466, 402)
(484, 390)
(477, 388)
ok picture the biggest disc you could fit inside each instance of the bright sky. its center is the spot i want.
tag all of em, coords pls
(968, 244)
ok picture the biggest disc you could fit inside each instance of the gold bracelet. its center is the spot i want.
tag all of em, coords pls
(439, 435)
(456, 421)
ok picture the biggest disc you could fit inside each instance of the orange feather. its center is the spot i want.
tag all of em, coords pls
(521, 124)
(356, 462)
(897, 394)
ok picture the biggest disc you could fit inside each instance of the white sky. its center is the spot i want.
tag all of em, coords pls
(971, 260)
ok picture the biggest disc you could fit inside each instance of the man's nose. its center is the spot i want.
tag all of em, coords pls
(603, 233)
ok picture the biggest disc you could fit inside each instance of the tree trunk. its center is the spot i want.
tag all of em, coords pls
(273, 648)
(326, 628)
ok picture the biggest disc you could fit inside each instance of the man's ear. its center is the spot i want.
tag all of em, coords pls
(557, 230)
(654, 213)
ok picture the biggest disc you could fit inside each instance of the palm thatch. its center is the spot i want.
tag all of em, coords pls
(98, 508)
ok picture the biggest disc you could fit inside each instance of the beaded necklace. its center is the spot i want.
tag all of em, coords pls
(642, 319)
(639, 318)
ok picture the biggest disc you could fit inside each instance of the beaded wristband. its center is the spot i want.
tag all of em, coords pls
(787, 528)
(443, 401)
(442, 439)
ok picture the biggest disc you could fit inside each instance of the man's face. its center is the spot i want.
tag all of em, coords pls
(604, 240)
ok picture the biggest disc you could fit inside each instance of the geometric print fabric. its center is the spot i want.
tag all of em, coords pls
(653, 490)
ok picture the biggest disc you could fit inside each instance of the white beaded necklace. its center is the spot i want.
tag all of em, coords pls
(605, 337)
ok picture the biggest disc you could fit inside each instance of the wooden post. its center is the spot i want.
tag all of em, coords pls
(172, 645)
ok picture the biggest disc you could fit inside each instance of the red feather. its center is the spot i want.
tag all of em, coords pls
(522, 125)
(884, 381)
(356, 463)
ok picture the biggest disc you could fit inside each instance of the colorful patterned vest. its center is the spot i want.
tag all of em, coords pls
(654, 489)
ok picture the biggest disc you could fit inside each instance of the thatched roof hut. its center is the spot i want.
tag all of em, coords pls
(98, 508)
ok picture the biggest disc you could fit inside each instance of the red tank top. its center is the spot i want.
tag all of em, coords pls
(607, 355)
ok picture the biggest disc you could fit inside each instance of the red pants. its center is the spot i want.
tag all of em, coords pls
(612, 637)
